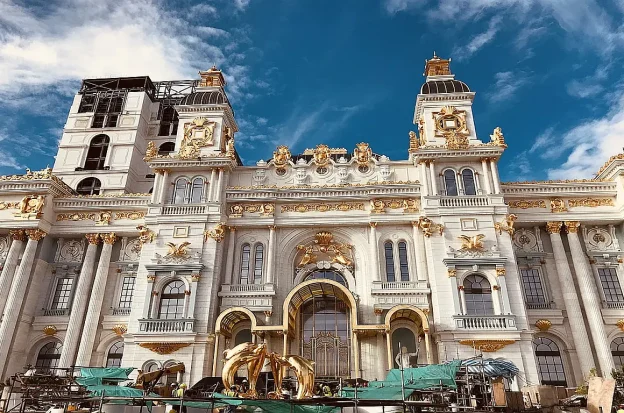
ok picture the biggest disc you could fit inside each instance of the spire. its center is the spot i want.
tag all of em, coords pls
(437, 67)
(212, 77)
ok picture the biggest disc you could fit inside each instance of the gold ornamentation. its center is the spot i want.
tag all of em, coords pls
(31, 206)
(49, 330)
(197, 134)
(117, 195)
(451, 124)
(345, 185)
(217, 233)
(164, 348)
(324, 244)
(553, 227)
(543, 324)
(17, 234)
(281, 157)
(527, 203)
(109, 238)
(9, 205)
(35, 234)
(571, 226)
(487, 346)
(472, 244)
(495, 287)
(324, 207)
(196, 277)
(410, 206)
(268, 313)
(557, 205)
(177, 251)
(212, 77)
(266, 210)
(133, 215)
(460, 288)
(377, 206)
(103, 218)
(151, 277)
(606, 164)
(146, 235)
(93, 239)
(620, 324)
(151, 152)
(378, 311)
(497, 138)
(413, 142)
(506, 225)
(427, 226)
(187, 292)
(363, 154)
(230, 150)
(451, 272)
(591, 202)
(437, 67)
(500, 272)
(321, 155)
(454, 141)
(120, 329)
(421, 130)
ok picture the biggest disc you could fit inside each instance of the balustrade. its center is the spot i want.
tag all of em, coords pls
(485, 322)
(185, 325)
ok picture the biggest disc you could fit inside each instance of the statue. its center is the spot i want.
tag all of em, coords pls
(497, 137)
(248, 354)
(304, 371)
(340, 258)
(146, 235)
(472, 244)
(281, 156)
(321, 155)
(308, 257)
(421, 130)
(507, 225)
(229, 150)
(413, 142)
(362, 153)
(403, 358)
(151, 151)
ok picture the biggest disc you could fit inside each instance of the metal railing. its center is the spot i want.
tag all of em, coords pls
(614, 304)
(185, 325)
(485, 322)
(121, 311)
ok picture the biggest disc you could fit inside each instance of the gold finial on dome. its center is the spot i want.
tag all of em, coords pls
(211, 77)
(437, 67)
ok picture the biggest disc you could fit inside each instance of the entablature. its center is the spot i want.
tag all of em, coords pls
(202, 162)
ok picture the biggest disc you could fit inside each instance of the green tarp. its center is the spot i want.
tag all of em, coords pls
(268, 406)
(96, 376)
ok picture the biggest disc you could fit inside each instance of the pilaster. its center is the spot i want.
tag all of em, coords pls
(10, 264)
(421, 257)
(372, 240)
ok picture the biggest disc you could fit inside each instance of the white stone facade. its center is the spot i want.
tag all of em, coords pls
(433, 245)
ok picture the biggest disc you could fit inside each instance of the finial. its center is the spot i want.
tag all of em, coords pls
(434, 55)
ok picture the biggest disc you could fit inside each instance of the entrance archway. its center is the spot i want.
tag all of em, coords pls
(225, 325)
(406, 322)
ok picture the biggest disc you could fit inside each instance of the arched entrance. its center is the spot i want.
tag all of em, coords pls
(408, 326)
(319, 315)
(227, 324)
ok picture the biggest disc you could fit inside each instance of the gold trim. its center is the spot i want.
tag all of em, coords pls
(17, 234)
(266, 209)
(571, 227)
(472, 244)
(324, 207)
(100, 218)
(109, 238)
(554, 227)
(611, 159)
(451, 272)
(558, 205)
(500, 272)
(620, 324)
(591, 202)
(527, 203)
(35, 234)
(506, 225)
(120, 329)
(337, 186)
(543, 324)
(49, 330)
(428, 227)
(130, 215)
(487, 346)
(217, 233)
(164, 348)
(93, 239)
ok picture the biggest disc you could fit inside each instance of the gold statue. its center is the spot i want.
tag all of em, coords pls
(340, 258)
(217, 233)
(253, 356)
(177, 251)
(281, 157)
(308, 257)
(146, 235)
(413, 142)
(506, 225)
(229, 150)
(321, 155)
(472, 244)
(324, 244)
(497, 137)
(304, 371)
(421, 130)
(151, 152)
(362, 153)
(427, 226)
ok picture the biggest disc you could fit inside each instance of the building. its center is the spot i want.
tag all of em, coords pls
(149, 243)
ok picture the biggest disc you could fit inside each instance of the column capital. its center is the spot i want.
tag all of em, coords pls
(553, 227)
(17, 234)
(35, 234)
(485, 159)
(232, 228)
(109, 238)
(373, 224)
(162, 171)
(272, 227)
(93, 239)
(572, 226)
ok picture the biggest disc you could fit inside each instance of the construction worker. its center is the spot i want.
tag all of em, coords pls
(179, 392)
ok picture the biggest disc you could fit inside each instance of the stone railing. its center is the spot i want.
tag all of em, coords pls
(384, 286)
(614, 304)
(485, 322)
(121, 311)
(56, 312)
(540, 306)
(185, 325)
(463, 201)
(183, 209)
(247, 288)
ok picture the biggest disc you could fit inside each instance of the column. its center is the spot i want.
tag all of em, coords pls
(271, 255)
(215, 355)
(156, 190)
(147, 302)
(10, 264)
(462, 299)
(434, 179)
(230, 253)
(164, 185)
(591, 300)
(356, 355)
(79, 306)
(423, 178)
(374, 252)
(495, 177)
(570, 299)
(421, 256)
(92, 320)
(213, 183)
(486, 176)
(452, 273)
(191, 296)
(17, 292)
(217, 194)
(389, 349)
(428, 346)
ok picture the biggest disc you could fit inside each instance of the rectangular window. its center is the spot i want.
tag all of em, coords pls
(62, 293)
(389, 262)
(610, 285)
(258, 264)
(127, 290)
(533, 289)
(107, 107)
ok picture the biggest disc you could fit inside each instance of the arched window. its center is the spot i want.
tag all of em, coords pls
(197, 190)
(389, 262)
(172, 301)
(49, 355)
(403, 261)
(617, 351)
(115, 353)
(166, 148)
(243, 336)
(258, 261)
(168, 121)
(468, 180)
(245, 264)
(549, 362)
(96, 155)
(478, 295)
(89, 186)
(450, 182)
(327, 275)
(251, 268)
(179, 191)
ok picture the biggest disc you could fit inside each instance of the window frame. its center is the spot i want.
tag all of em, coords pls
(172, 296)
(176, 187)
(101, 159)
(462, 177)
(164, 152)
(551, 355)
(452, 173)
(389, 261)
(468, 292)
(251, 262)
(116, 356)
(95, 187)
(617, 354)
(58, 348)
(616, 283)
(541, 284)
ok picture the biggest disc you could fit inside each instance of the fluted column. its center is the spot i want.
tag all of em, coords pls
(434, 180)
(217, 194)
(423, 178)
(10, 264)
(163, 185)
(213, 183)
(570, 299)
(92, 320)
(486, 176)
(271, 256)
(79, 306)
(230, 253)
(591, 300)
(495, 177)
(372, 241)
(156, 190)
(17, 292)
(421, 257)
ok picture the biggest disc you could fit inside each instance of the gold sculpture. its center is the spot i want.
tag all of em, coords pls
(146, 235)
(324, 244)
(197, 134)
(543, 324)
(30, 206)
(472, 244)
(281, 157)
(151, 152)
(506, 225)
(176, 251)
(362, 153)
(557, 205)
(230, 152)
(413, 142)
(487, 346)
(321, 155)
(217, 233)
(497, 138)
(427, 226)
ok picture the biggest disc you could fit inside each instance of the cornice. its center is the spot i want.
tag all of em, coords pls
(217, 160)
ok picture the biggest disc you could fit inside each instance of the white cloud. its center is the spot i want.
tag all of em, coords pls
(261, 121)
(241, 4)
(395, 6)
(506, 85)
(478, 41)
(203, 8)
(583, 89)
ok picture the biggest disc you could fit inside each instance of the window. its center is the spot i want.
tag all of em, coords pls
(49, 356)
(533, 289)
(617, 351)
(251, 268)
(389, 262)
(478, 295)
(327, 275)
(610, 285)
(258, 264)
(62, 293)
(89, 186)
(403, 261)
(96, 155)
(179, 191)
(172, 301)
(127, 290)
(115, 354)
(468, 180)
(243, 336)
(244, 269)
(168, 121)
(549, 362)
(166, 148)
(107, 109)
(197, 190)
(450, 182)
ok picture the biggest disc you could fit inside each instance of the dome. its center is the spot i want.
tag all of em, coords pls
(444, 86)
(214, 97)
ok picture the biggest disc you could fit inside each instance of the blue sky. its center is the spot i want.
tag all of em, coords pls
(328, 71)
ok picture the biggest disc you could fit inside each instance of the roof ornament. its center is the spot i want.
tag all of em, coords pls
(437, 66)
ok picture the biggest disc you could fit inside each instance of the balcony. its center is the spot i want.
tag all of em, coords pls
(387, 294)
(255, 297)
(463, 201)
(614, 304)
(185, 325)
(184, 209)
(485, 322)
(120, 311)
(56, 312)
(540, 306)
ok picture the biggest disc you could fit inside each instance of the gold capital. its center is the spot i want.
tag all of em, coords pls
(273, 227)
(373, 224)
(572, 226)
(17, 234)
(35, 234)
(500, 272)
(553, 227)
(109, 238)
(93, 239)
(451, 272)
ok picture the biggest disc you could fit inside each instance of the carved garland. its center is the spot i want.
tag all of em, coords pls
(525, 204)
(342, 207)
(266, 210)
(487, 346)
(164, 348)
